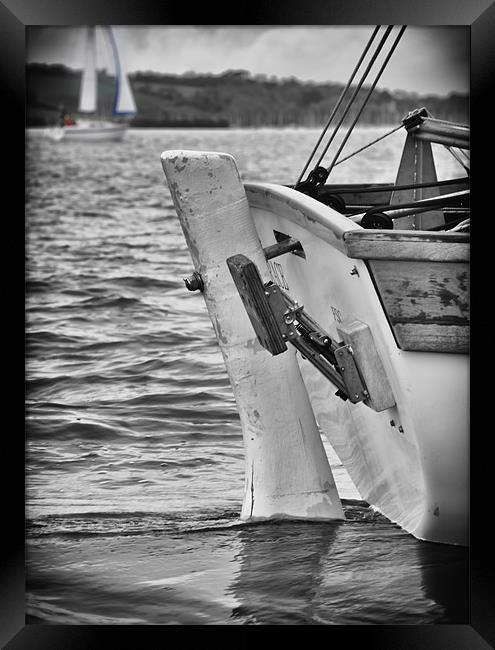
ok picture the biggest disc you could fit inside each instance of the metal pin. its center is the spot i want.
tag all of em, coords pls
(194, 282)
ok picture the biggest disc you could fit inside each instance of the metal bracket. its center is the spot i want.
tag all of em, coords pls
(277, 319)
(334, 360)
(316, 179)
(285, 244)
(350, 373)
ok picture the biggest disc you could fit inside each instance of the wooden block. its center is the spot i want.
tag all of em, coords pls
(252, 292)
(358, 335)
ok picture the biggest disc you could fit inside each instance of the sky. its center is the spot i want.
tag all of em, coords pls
(428, 60)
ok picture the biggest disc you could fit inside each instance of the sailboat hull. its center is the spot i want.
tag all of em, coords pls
(409, 460)
(94, 132)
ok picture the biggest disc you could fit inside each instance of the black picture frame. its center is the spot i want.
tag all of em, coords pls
(15, 16)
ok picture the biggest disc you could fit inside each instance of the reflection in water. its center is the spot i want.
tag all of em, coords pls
(445, 574)
(281, 571)
(365, 570)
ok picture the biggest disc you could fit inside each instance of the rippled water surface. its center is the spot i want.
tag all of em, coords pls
(135, 470)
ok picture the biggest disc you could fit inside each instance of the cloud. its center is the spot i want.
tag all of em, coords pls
(427, 60)
(55, 45)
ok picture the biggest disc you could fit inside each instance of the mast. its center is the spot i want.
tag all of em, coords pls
(87, 95)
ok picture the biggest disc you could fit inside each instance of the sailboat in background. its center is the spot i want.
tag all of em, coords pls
(94, 127)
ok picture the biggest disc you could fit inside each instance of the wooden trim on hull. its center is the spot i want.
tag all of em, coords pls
(407, 245)
(426, 303)
(422, 280)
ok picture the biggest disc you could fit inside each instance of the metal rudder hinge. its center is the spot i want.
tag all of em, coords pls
(278, 319)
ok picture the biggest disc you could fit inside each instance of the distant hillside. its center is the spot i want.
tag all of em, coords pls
(234, 98)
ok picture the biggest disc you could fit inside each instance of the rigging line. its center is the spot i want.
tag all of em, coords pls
(396, 42)
(457, 157)
(390, 187)
(425, 205)
(339, 101)
(456, 222)
(358, 88)
(434, 120)
(460, 226)
(369, 144)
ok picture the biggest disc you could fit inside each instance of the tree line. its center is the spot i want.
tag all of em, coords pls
(235, 98)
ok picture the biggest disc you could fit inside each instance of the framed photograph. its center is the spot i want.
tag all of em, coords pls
(175, 447)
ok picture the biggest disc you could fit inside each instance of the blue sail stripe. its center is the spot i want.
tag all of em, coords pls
(118, 75)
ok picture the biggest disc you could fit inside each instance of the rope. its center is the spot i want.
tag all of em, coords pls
(461, 226)
(396, 42)
(457, 157)
(339, 101)
(457, 222)
(358, 88)
(387, 188)
(369, 144)
(422, 206)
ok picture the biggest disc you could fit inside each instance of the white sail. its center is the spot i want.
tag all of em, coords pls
(125, 104)
(124, 99)
(87, 95)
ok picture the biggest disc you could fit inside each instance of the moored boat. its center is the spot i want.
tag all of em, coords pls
(92, 131)
(345, 309)
(91, 124)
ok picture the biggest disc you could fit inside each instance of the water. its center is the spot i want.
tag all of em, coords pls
(134, 468)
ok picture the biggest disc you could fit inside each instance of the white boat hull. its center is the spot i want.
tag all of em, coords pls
(92, 132)
(410, 461)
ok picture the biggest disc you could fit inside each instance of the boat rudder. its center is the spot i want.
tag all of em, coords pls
(287, 470)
